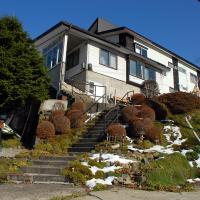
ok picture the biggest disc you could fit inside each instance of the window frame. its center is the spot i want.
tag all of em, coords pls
(48, 52)
(109, 55)
(194, 75)
(141, 47)
(143, 67)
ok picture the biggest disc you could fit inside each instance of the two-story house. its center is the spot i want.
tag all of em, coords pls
(115, 57)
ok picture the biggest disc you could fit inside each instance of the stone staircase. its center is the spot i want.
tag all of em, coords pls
(44, 170)
(48, 169)
(94, 135)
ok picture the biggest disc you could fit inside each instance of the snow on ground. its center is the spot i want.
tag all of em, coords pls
(111, 159)
(193, 180)
(174, 137)
(92, 183)
(171, 132)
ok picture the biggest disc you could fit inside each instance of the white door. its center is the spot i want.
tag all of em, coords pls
(97, 89)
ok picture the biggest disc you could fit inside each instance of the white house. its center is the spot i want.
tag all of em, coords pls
(116, 58)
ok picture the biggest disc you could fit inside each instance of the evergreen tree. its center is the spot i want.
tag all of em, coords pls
(23, 77)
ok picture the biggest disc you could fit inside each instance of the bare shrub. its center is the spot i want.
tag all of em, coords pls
(116, 131)
(62, 124)
(45, 130)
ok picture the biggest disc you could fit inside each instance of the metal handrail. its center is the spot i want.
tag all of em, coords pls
(90, 107)
(116, 107)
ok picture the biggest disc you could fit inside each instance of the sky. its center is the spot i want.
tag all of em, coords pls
(174, 24)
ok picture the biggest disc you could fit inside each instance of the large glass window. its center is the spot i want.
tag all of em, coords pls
(104, 57)
(72, 59)
(136, 68)
(53, 55)
(149, 74)
(139, 70)
(108, 59)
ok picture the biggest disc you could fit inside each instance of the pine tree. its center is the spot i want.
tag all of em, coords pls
(23, 76)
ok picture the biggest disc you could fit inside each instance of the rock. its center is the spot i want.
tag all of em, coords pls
(125, 179)
(115, 146)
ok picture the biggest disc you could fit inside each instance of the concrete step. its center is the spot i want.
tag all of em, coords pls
(86, 144)
(41, 169)
(80, 149)
(32, 178)
(53, 163)
(87, 139)
(58, 158)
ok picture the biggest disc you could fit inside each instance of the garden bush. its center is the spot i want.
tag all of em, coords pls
(147, 144)
(77, 172)
(57, 113)
(154, 134)
(172, 170)
(93, 162)
(140, 126)
(160, 109)
(45, 130)
(62, 124)
(180, 102)
(76, 118)
(137, 99)
(100, 174)
(197, 149)
(146, 112)
(117, 131)
(129, 112)
(79, 106)
(192, 155)
(11, 143)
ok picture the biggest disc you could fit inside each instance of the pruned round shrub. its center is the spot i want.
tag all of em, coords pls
(139, 126)
(180, 102)
(147, 144)
(137, 99)
(100, 174)
(76, 118)
(192, 155)
(129, 112)
(154, 134)
(45, 130)
(57, 113)
(146, 112)
(160, 109)
(79, 106)
(62, 124)
(117, 131)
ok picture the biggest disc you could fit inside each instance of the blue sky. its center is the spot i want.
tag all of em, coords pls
(175, 24)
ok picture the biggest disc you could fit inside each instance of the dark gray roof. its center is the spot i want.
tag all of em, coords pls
(100, 25)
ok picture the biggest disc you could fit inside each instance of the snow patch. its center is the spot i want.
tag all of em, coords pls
(92, 183)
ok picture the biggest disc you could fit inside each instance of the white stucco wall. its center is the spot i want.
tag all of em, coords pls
(184, 79)
(93, 58)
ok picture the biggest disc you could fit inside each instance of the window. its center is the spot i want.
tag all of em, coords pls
(193, 78)
(136, 68)
(52, 55)
(108, 59)
(149, 74)
(104, 57)
(141, 50)
(72, 59)
(139, 70)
